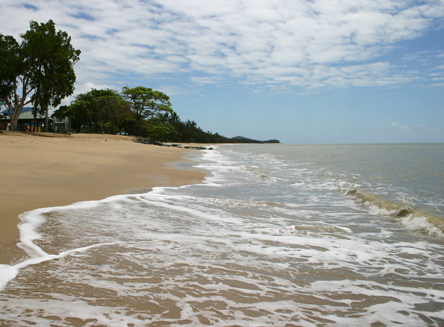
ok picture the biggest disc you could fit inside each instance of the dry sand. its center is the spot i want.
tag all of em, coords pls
(40, 170)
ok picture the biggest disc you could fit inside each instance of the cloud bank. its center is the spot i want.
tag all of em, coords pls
(404, 127)
(275, 44)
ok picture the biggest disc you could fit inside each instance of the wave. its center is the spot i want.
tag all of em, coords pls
(412, 218)
(304, 229)
(392, 208)
(255, 171)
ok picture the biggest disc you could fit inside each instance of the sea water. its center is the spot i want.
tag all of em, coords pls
(276, 235)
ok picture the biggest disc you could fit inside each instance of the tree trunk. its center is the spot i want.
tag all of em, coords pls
(18, 105)
(47, 120)
(35, 120)
(15, 117)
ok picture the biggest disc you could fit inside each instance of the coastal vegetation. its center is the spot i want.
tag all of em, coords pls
(40, 72)
(138, 111)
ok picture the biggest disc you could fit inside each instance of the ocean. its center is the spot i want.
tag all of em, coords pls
(276, 235)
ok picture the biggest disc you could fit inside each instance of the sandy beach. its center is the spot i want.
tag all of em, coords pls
(43, 170)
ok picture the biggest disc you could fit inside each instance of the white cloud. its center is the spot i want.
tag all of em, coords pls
(201, 80)
(86, 87)
(432, 128)
(319, 43)
(172, 90)
(404, 127)
(438, 85)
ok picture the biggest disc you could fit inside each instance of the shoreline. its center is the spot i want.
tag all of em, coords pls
(40, 170)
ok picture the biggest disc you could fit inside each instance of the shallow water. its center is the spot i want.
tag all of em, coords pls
(278, 235)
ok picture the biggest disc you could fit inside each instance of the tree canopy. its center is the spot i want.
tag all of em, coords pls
(40, 70)
(138, 111)
(98, 109)
(146, 103)
(10, 65)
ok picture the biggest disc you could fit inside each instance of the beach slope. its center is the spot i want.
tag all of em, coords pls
(40, 170)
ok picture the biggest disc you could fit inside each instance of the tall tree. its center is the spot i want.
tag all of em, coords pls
(10, 68)
(42, 71)
(146, 103)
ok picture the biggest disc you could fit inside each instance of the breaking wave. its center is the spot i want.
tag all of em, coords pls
(412, 218)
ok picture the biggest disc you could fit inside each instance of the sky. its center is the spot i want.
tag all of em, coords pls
(300, 71)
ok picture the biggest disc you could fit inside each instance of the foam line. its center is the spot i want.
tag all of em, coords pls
(8, 273)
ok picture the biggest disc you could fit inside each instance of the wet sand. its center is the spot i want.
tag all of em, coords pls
(40, 170)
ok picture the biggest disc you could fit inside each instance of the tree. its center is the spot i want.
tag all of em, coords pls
(78, 112)
(9, 65)
(38, 71)
(10, 68)
(104, 109)
(146, 103)
(110, 109)
(159, 130)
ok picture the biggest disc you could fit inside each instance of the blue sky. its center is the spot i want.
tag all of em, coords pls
(318, 71)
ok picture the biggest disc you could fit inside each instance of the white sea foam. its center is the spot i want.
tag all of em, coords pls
(422, 224)
(31, 221)
(7, 273)
(238, 249)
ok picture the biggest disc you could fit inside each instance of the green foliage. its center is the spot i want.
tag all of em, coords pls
(160, 131)
(10, 66)
(139, 111)
(49, 56)
(146, 103)
(98, 110)
(38, 71)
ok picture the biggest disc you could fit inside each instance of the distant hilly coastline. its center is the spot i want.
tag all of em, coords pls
(237, 139)
(242, 139)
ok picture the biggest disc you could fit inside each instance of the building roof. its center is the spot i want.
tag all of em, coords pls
(25, 114)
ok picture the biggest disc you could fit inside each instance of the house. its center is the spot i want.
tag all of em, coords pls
(26, 121)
